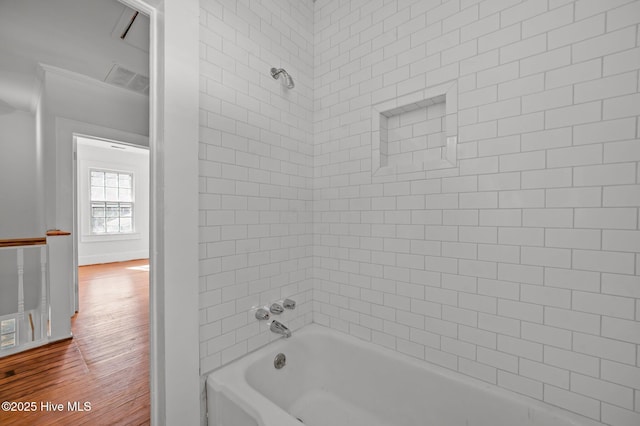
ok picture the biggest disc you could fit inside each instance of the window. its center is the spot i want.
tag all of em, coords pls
(111, 202)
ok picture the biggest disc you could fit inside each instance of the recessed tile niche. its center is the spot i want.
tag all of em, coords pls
(416, 132)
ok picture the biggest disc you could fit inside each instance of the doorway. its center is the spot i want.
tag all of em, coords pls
(174, 164)
(111, 199)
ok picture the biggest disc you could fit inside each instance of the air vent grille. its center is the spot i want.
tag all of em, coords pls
(122, 77)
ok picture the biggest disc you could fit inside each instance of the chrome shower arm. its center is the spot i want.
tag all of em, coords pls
(275, 73)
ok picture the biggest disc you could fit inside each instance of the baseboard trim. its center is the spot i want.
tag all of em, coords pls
(112, 257)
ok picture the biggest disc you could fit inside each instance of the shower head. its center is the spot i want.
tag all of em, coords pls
(275, 73)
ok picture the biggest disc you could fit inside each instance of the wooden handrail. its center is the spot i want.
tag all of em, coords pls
(56, 233)
(14, 242)
(38, 241)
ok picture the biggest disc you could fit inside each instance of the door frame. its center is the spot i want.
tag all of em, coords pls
(108, 135)
(173, 246)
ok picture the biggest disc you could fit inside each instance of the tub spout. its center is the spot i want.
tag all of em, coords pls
(279, 328)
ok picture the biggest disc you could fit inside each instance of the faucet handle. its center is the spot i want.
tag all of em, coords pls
(276, 309)
(262, 314)
(289, 304)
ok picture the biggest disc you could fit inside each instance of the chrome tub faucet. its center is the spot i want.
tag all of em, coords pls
(279, 328)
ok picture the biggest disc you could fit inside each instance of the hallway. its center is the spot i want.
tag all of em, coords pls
(104, 368)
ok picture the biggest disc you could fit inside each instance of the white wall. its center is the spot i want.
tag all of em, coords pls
(520, 265)
(255, 171)
(18, 174)
(94, 249)
(69, 96)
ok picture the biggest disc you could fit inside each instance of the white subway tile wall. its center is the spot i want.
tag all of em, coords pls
(519, 266)
(256, 170)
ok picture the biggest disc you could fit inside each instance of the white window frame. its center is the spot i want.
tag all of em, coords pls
(131, 203)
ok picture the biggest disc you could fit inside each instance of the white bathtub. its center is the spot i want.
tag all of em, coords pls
(331, 379)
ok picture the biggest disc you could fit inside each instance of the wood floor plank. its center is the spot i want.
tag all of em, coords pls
(106, 363)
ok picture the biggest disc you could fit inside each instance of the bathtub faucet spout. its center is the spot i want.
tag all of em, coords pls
(279, 328)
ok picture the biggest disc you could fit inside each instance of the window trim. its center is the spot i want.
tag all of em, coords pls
(112, 236)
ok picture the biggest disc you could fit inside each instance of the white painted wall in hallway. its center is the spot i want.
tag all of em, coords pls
(94, 249)
(18, 174)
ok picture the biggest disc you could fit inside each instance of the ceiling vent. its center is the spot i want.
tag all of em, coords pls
(122, 77)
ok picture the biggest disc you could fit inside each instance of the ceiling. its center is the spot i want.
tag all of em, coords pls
(82, 36)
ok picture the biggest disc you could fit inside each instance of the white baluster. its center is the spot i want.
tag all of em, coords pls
(20, 317)
(44, 318)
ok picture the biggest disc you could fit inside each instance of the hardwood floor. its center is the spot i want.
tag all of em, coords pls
(106, 364)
